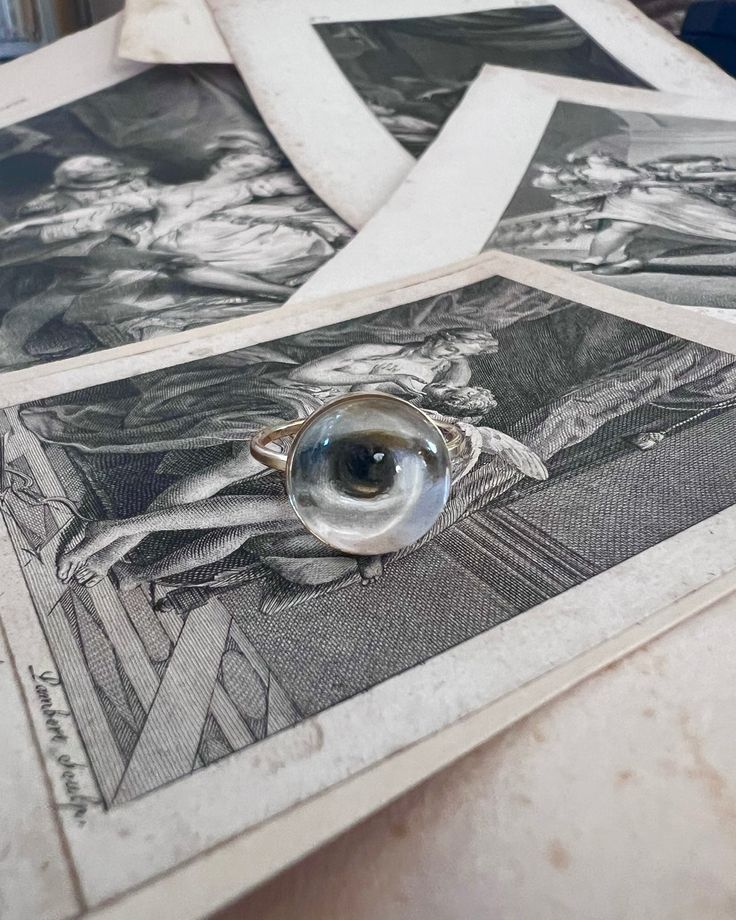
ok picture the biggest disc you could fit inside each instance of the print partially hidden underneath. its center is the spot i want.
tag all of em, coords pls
(119, 223)
(642, 202)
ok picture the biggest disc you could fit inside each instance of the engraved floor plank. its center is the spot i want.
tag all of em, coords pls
(167, 746)
(104, 754)
(230, 721)
(46, 588)
(281, 710)
(224, 711)
(157, 643)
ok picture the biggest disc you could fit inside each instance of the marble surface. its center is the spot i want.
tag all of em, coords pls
(616, 801)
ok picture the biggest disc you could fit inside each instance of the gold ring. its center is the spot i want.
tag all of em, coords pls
(367, 473)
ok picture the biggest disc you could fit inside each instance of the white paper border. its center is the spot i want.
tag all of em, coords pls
(335, 141)
(455, 195)
(153, 835)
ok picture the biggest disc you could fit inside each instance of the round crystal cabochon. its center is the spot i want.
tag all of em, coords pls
(368, 473)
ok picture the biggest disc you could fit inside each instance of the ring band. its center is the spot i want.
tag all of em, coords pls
(263, 452)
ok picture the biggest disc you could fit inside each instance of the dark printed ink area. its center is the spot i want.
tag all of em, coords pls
(412, 73)
(190, 615)
(155, 206)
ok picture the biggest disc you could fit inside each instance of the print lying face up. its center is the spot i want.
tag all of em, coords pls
(154, 206)
(413, 72)
(646, 203)
(363, 86)
(142, 496)
(632, 188)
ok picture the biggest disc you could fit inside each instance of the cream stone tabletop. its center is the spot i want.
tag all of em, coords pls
(616, 801)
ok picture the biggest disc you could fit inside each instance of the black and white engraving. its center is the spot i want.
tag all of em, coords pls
(151, 207)
(188, 613)
(413, 72)
(643, 202)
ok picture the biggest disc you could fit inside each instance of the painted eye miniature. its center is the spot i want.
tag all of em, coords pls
(368, 473)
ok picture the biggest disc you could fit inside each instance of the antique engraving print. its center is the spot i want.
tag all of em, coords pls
(361, 88)
(644, 202)
(185, 31)
(190, 544)
(172, 625)
(628, 187)
(411, 73)
(152, 207)
(184, 669)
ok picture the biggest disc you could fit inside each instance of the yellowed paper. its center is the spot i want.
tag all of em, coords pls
(512, 169)
(140, 203)
(143, 692)
(353, 91)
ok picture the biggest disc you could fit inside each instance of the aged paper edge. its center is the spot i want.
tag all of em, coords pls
(709, 332)
(676, 320)
(184, 31)
(459, 190)
(333, 139)
(68, 69)
(235, 867)
(297, 316)
(95, 48)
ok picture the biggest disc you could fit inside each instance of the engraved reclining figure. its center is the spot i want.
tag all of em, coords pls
(228, 521)
(435, 369)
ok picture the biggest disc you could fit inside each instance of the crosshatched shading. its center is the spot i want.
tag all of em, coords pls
(644, 202)
(193, 615)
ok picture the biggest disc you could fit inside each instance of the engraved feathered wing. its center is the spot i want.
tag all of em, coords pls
(513, 452)
(479, 439)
